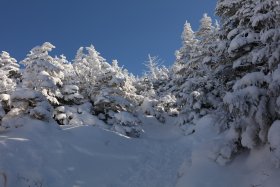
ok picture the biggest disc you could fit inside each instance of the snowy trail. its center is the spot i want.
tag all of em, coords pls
(166, 150)
(39, 156)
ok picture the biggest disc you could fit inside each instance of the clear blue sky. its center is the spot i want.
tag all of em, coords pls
(126, 30)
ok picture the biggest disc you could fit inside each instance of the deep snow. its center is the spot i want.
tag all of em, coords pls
(41, 155)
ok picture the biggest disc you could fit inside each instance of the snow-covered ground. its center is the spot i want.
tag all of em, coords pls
(41, 155)
(250, 169)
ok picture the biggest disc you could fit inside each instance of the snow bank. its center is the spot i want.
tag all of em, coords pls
(248, 169)
(274, 141)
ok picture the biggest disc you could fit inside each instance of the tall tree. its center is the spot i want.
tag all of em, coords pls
(249, 56)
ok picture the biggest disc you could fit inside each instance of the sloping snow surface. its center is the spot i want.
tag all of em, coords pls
(42, 155)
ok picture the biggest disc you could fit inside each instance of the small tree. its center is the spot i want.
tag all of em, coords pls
(189, 46)
(43, 73)
(70, 91)
(9, 65)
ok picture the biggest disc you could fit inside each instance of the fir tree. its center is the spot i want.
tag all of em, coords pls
(43, 73)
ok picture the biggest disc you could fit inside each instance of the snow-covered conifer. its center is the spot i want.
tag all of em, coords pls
(189, 46)
(250, 38)
(43, 73)
(109, 87)
(70, 91)
(9, 65)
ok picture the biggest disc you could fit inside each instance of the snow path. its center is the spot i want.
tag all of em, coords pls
(38, 155)
(165, 152)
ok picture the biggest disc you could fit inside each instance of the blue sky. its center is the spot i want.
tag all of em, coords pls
(126, 30)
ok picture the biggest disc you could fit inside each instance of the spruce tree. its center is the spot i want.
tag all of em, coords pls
(247, 60)
(43, 73)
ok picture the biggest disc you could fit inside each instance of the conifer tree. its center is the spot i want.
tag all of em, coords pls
(9, 65)
(43, 73)
(111, 90)
(189, 47)
(249, 55)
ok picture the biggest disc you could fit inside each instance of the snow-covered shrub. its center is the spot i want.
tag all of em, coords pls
(5, 100)
(167, 103)
(5, 107)
(25, 102)
(196, 98)
(127, 124)
(71, 94)
(154, 86)
(149, 106)
(42, 111)
(77, 115)
(70, 91)
(156, 76)
(2, 112)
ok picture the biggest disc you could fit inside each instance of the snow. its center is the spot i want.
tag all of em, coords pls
(25, 94)
(40, 154)
(210, 120)
(4, 97)
(70, 89)
(245, 38)
(248, 169)
(250, 79)
(77, 115)
(88, 156)
(237, 98)
(125, 117)
(274, 140)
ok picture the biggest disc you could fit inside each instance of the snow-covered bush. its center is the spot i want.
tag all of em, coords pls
(71, 94)
(69, 91)
(149, 106)
(167, 103)
(77, 115)
(26, 102)
(127, 124)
